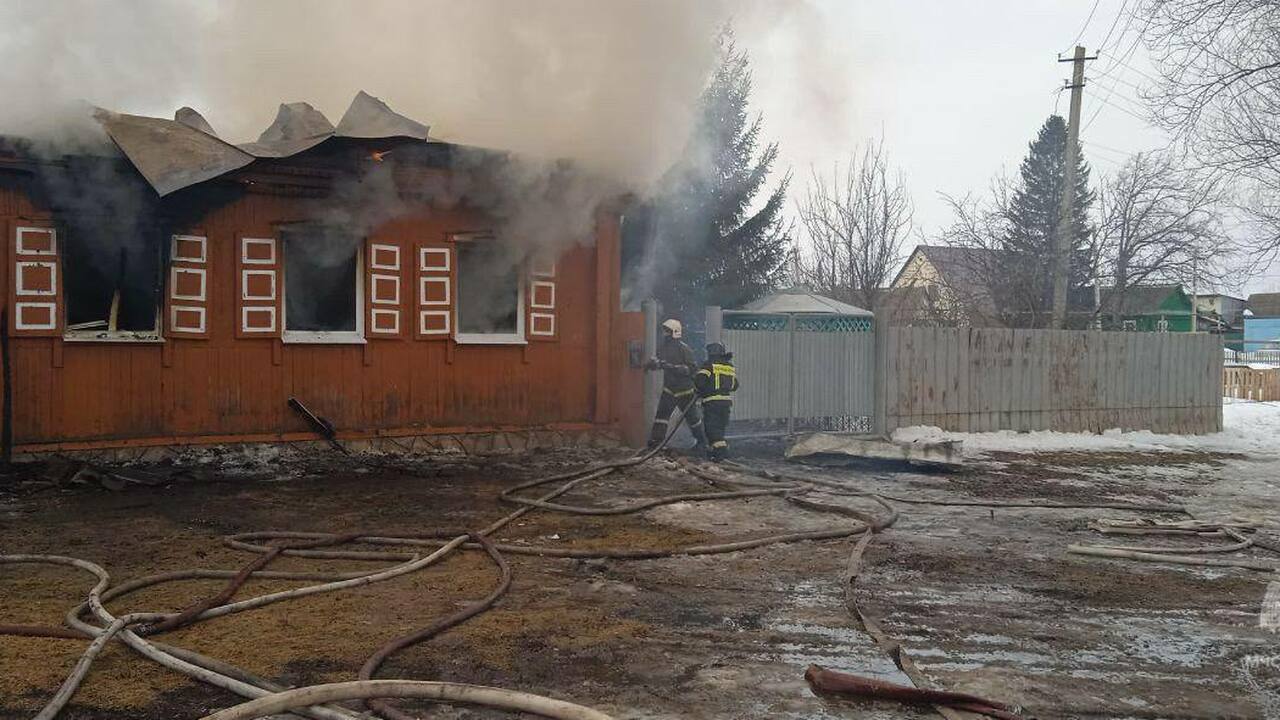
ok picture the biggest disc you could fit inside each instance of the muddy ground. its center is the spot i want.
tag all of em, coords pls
(985, 601)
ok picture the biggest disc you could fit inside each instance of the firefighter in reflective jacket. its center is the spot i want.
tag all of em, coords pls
(715, 382)
(675, 359)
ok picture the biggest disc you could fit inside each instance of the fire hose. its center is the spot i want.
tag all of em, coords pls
(245, 684)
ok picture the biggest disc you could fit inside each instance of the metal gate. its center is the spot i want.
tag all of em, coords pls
(800, 372)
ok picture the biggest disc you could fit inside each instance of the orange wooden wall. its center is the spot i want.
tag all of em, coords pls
(222, 388)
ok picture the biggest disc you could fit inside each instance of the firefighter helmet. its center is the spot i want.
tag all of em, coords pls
(674, 326)
(716, 350)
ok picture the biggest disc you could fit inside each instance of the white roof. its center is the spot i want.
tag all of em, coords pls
(800, 300)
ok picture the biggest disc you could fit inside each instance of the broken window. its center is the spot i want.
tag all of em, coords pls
(490, 293)
(112, 281)
(321, 285)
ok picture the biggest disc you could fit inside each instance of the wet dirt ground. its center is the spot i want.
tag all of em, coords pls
(984, 601)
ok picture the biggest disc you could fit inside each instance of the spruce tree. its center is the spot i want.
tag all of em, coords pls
(706, 240)
(1033, 227)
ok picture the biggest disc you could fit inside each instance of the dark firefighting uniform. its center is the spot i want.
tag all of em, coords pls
(678, 367)
(715, 381)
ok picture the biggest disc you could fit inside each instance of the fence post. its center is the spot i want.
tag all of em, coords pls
(791, 374)
(715, 324)
(651, 377)
(879, 359)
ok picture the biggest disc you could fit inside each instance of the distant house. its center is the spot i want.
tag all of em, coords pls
(1146, 308)
(1262, 322)
(952, 286)
(1222, 314)
(1226, 308)
(942, 285)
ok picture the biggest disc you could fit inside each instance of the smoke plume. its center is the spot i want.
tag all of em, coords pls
(610, 86)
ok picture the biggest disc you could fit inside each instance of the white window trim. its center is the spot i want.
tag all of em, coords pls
(542, 316)
(322, 337)
(198, 309)
(377, 312)
(175, 271)
(423, 266)
(422, 290)
(53, 316)
(22, 249)
(244, 285)
(21, 289)
(200, 240)
(543, 306)
(422, 324)
(244, 251)
(245, 310)
(516, 338)
(395, 283)
(375, 248)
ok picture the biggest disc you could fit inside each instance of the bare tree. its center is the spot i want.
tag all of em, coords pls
(1218, 92)
(1159, 223)
(986, 284)
(857, 220)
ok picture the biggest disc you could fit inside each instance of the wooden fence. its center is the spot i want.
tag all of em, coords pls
(984, 379)
(1251, 384)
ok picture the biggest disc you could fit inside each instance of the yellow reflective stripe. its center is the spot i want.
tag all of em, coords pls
(716, 397)
(723, 371)
(682, 393)
(705, 371)
(719, 444)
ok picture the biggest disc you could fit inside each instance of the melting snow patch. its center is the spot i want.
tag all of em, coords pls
(1249, 428)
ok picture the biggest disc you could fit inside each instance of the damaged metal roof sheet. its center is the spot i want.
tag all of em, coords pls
(171, 155)
(297, 127)
(192, 119)
(369, 117)
(185, 151)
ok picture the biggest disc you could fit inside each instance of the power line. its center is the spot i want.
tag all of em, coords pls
(1124, 110)
(1114, 22)
(1085, 26)
(1100, 146)
(1116, 76)
(1115, 59)
(1114, 94)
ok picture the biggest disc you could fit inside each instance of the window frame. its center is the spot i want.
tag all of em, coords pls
(105, 335)
(471, 338)
(321, 337)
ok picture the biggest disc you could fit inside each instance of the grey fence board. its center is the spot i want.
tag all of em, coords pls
(983, 379)
(833, 374)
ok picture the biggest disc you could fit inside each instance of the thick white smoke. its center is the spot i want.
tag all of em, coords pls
(610, 85)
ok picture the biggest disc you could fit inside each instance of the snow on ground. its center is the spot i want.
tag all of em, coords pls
(1249, 428)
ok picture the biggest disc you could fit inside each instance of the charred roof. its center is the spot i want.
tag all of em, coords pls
(179, 153)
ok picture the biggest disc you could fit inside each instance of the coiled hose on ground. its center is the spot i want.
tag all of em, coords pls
(420, 551)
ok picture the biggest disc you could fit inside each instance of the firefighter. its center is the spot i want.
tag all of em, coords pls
(715, 382)
(675, 359)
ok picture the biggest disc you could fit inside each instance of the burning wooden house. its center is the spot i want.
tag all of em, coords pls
(182, 289)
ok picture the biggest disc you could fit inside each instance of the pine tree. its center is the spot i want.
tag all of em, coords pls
(1033, 226)
(706, 242)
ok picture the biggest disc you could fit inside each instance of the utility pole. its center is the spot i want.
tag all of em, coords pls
(1062, 238)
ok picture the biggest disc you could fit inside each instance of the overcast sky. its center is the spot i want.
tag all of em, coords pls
(957, 89)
